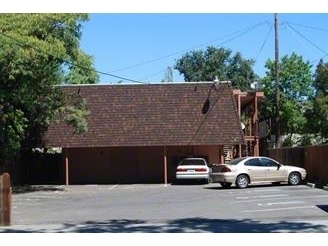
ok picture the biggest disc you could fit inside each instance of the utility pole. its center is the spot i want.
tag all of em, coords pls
(277, 106)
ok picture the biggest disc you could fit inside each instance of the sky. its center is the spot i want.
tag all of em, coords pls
(136, 41)
(140, 47)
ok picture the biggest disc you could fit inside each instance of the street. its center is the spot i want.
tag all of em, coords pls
(154, 208)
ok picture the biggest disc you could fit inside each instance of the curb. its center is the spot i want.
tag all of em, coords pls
(311, 185)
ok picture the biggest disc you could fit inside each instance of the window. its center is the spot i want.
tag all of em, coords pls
(253, 162)
(268, 163)
(189, 162)
(236, 161)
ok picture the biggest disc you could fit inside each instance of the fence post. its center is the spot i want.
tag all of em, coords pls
(5, 200)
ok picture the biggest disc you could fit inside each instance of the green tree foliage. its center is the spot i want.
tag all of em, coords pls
(80, 71)
(206, 65)
(295, 88)
(317, 112)
(39, 52)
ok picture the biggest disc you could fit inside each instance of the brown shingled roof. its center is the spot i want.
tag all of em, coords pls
(152, 115)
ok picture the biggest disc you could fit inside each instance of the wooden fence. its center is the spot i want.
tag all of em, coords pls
(5, 200)
(313, 158)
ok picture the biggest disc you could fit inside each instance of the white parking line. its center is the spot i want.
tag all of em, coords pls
(263, 196)
(271, 190)
(252, 191)
(113, 187)
(41, 196)
(275, 203)
(274, 209)
(280, 198)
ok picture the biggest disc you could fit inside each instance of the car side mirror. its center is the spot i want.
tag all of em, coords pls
(278, 167)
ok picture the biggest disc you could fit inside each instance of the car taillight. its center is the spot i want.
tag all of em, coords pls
(181, 170)
(225, 170)
(200, 169)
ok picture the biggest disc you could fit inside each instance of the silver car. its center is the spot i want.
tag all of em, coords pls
(255, 169)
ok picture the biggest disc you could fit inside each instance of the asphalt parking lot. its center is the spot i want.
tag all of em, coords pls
(154, 208)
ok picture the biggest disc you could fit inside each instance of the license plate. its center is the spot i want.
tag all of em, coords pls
(191, 171)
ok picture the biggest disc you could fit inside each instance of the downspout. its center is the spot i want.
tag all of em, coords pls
(221, 154)
(257, 142)
(165, 167)
(66, 168)
(239, 114)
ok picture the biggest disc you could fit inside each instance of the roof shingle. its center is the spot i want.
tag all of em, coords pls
(152, 115)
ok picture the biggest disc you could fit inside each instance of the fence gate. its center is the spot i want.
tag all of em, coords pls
(5, 200)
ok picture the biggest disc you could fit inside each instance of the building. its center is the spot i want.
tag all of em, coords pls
(137, 133)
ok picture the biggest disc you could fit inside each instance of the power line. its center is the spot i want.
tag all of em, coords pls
(230, 37)
(290, 28)
(293, 34)
(24, 44)
(236, 35)
(242, 31)
(310, 27)
(308, 40)
(265, 41)
(149, 76)
(296, 33)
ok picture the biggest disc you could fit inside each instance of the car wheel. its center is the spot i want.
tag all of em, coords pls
(294, 179)
(225, 185)
(205, 181)
(242, 181)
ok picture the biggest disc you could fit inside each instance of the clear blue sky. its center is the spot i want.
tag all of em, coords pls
(150, 35)
(141, 46)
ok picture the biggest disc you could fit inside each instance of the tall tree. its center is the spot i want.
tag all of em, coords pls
(318, 110)
(240, 72)
(206, 65)
(295, 88)
(168, 76)
(39, 52)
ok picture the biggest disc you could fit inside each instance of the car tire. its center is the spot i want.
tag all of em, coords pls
(242, 181)
(225, 185)
(205, 181)
(294, 178)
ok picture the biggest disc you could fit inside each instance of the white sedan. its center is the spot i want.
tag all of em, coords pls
(193, 169)
(255, 169)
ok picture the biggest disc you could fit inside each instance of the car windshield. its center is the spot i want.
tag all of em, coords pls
(193, 162)
(235, 161)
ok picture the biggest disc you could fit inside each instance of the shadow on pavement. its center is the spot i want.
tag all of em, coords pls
(194, 225)
(33, 188)
(323, 207)
(251, 186)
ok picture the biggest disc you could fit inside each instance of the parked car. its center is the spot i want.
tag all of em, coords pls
(255, 169)
(193, 169)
